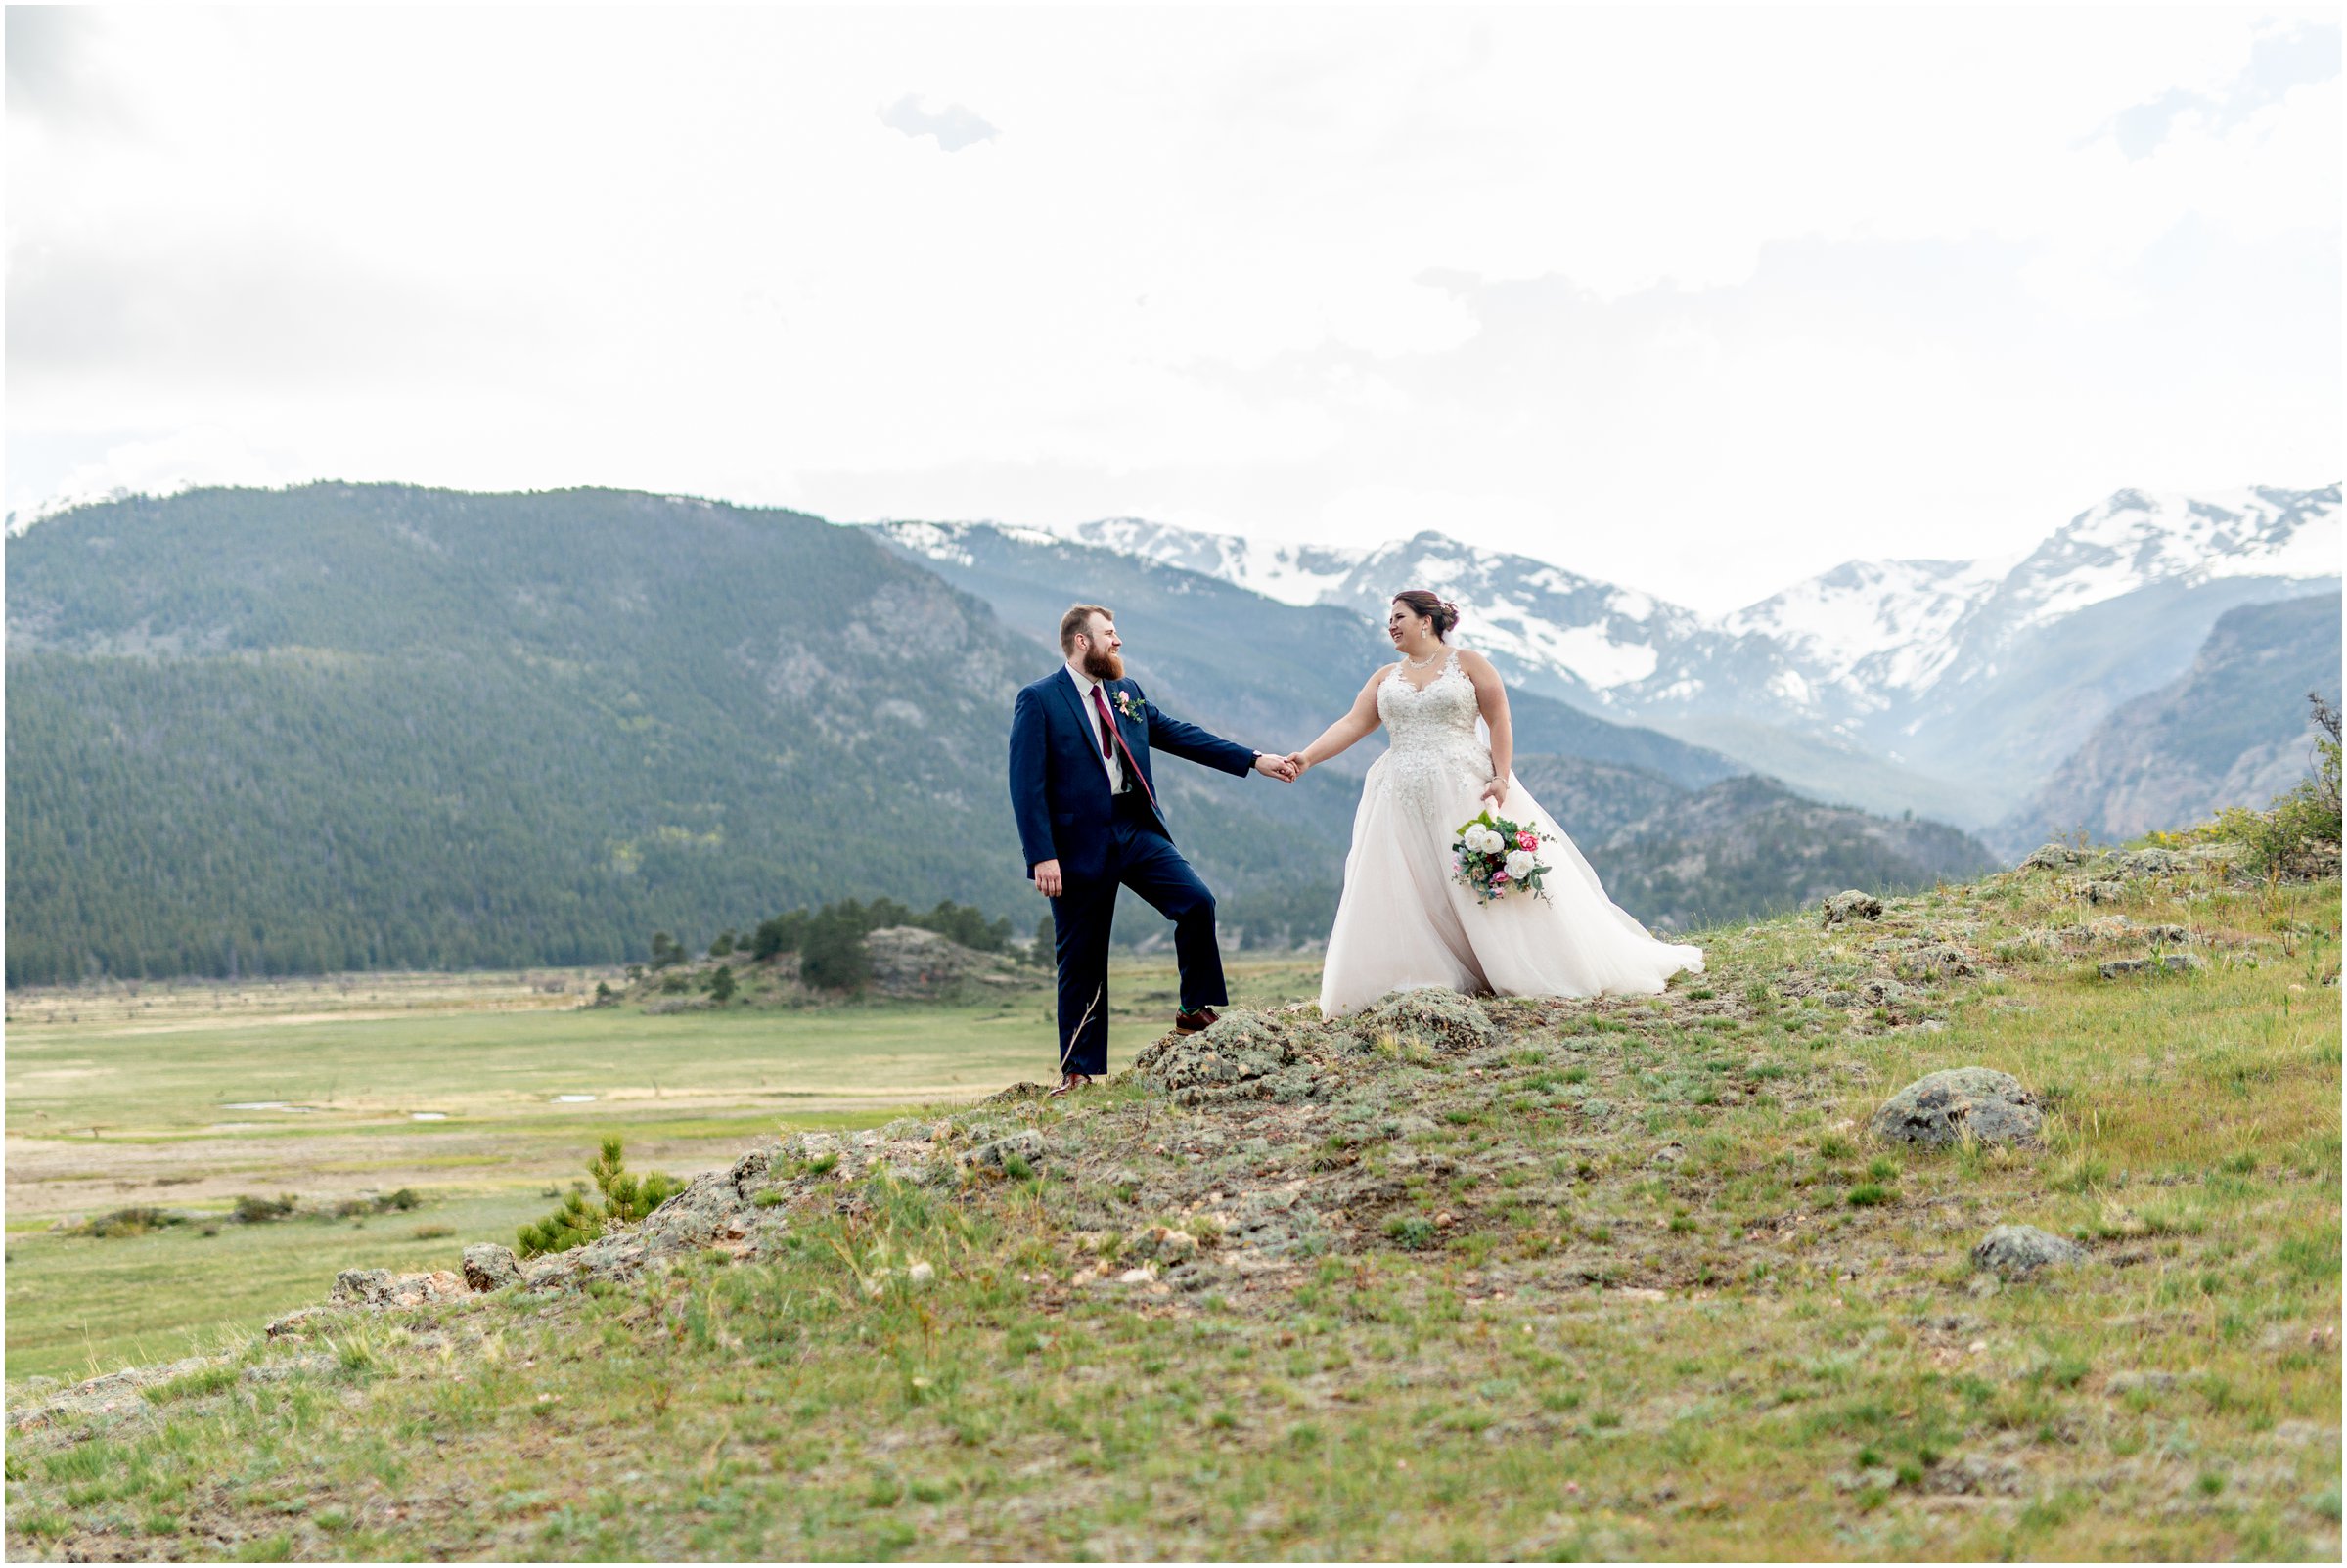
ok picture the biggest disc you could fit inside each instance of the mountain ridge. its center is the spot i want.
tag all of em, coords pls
(1916, 663)
(349, 727)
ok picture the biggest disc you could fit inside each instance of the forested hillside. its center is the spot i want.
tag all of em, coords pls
(375, 726)
(346, 726)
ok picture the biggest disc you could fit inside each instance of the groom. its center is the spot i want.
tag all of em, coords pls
(1090, 820)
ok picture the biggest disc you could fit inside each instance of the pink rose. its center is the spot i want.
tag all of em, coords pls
(1527, 841)
(1497, 878)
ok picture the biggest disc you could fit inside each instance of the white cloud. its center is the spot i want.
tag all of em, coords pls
(1698, 300)
(954, 126)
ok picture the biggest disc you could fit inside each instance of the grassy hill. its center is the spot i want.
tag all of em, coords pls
(1624, 1277)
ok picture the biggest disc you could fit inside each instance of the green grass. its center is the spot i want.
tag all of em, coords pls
(1715, 1355)
(686, 1091)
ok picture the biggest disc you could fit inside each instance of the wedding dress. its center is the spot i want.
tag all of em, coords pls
(1404, 922)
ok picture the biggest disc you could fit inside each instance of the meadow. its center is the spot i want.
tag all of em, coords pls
(187, 1097)
(1630, 1281)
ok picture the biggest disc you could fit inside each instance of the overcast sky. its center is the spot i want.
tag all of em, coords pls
(1697, 301)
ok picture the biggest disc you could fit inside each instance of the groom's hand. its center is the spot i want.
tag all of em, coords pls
(1272, 766)
(1047, 878)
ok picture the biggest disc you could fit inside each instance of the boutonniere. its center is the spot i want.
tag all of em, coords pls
(1126, 706)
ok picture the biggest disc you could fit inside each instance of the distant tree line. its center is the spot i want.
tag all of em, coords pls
(830, 940)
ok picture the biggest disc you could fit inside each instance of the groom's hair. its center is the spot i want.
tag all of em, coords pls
(1079, 619)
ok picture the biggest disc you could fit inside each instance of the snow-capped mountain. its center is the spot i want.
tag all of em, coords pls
(1545, 627)
(1984, 673)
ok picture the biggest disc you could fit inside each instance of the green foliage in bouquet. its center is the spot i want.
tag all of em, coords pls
(626, 1200)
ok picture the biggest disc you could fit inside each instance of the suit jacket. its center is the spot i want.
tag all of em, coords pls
(1058, 789)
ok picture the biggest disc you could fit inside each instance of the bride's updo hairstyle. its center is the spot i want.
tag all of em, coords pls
(1441, 611)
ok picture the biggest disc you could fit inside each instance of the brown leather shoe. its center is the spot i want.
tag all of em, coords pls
(1190, 1024)
(1073, 1081)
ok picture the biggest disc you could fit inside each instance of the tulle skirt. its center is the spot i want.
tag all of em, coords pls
(1404, 923)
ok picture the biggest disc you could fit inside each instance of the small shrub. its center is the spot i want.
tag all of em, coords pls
(1411, 1230)
(251, 1210)
(1868, 1194)
(130, 1222)
(626, 1198)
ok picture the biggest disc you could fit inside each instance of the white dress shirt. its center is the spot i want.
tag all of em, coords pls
(1114, 762)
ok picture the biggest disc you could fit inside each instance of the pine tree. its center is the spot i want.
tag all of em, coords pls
(626, 1200)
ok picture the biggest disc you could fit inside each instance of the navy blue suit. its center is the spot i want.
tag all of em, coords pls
(1060, 794)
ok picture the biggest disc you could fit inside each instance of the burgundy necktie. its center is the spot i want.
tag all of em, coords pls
(1111, 734)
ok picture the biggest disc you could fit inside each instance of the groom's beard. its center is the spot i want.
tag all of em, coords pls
(1103, 665)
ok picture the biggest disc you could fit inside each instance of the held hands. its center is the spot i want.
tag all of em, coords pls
(1284, 769)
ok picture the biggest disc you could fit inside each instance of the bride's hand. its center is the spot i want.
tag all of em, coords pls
(1297, 761)
(1495, 793)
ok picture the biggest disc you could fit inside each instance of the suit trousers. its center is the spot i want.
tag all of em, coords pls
(1142, 858)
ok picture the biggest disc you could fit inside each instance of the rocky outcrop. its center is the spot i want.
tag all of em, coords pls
(2162, 964)
(1442, 1022)
(909, 962)
(1852, 904)
(1946, 1108)
(2017, 1251)
(490, 1267)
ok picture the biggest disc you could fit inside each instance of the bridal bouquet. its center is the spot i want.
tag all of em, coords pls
(1495, 857)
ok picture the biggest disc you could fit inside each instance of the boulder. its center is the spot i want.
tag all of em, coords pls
(1440, 1020)
(2017, 1251)
(1238, 1049)
(1161, 1244)
(2106, 892)
(2051, 857)
(380, 1287)
(490, 1267)
(1943, 1107)
(1028, 1148)
(1852, 904)
(2164, 964)
(1936, 960)
(2150, 863)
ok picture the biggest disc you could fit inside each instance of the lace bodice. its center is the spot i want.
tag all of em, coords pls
(1431, 728)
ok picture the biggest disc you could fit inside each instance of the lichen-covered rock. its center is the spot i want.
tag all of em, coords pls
(380, 1287)
(1236, 1049)
(490, 1267)
(1852, 904)
(1877, 992)
(1936, 960)
(2150, 863)
(1946, 1107)
(2017, 1251)
(1028, 1148)
(1161, 1244)
(2051, 857)
(2163, 964)
(1440, 1020)
(2104, 892)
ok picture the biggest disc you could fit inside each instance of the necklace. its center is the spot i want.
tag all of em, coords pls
(1420, 663)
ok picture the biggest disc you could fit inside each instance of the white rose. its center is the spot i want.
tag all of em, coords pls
(1519, 864)
(1484, 841)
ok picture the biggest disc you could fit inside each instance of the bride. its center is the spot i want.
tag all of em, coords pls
(1404, 922)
